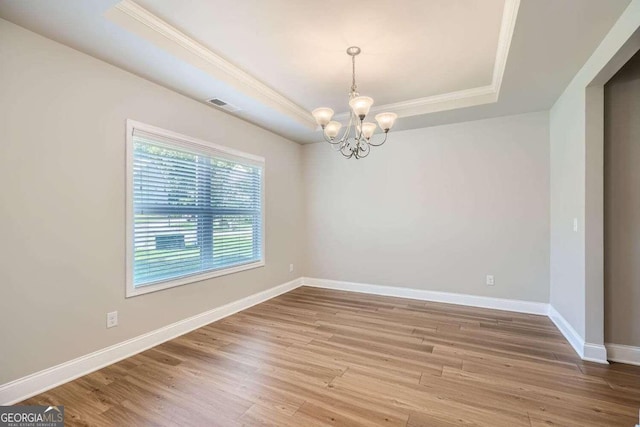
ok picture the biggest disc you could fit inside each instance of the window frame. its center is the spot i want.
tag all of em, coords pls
(208, 148)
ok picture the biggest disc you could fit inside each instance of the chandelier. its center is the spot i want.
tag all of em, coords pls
(358, 136)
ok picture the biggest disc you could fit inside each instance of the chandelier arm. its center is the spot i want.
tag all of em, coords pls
(383, 141)
(346, 150)
(348, 156)
(347, 130)
(345, 135)
(345, 145)
(358, 132)
(339, 147)
(329, 140)
(365, 148)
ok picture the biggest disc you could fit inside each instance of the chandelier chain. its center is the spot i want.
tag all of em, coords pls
(354, 88)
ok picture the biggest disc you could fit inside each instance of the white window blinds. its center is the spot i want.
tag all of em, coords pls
(195, 209)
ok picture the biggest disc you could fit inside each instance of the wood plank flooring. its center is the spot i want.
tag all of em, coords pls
(316, 357)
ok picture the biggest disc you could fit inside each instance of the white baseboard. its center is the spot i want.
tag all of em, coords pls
(587, 351)
(23, 388)
(574, 338)
(623, 353)
(517, 306)
(595, 353)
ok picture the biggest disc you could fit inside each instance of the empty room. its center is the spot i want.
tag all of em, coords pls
(320, 213)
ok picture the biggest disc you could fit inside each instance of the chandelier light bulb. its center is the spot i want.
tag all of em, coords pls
(332, 129)
(322, 115)
(386, 120)
(368, 129)
(361, 105)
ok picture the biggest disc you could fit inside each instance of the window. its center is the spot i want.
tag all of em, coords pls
(195, 210)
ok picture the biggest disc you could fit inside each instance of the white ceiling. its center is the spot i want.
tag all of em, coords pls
(279, 59)
(298, 48)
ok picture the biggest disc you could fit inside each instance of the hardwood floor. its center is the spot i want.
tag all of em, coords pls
(316, 357)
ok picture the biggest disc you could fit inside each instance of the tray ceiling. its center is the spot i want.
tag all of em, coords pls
(420, 49)
(430, 61)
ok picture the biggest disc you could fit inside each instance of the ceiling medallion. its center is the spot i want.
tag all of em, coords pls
(359, 144)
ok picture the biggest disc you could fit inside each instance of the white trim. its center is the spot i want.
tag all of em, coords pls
(595, 353)
(171, 39)
(507, 26)
(198, 145)
(435, 103)
(195, 143)
(467, 97)
(623, 353)
(587, 351)
(128, 191)
(31, 385)
(571, 335)
(518, 306)
(184, 280)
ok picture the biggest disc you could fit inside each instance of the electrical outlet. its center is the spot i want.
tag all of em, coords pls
(112, 319)
(290, 268)
(575, 224)
(490, 280)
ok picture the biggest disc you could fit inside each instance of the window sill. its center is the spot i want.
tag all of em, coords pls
(135, 291)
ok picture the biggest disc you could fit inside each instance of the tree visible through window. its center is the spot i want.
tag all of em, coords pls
(193, 212)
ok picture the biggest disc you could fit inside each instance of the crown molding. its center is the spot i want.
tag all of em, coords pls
(467, 97)
(432, 104)
(508, 25)
(137, 19)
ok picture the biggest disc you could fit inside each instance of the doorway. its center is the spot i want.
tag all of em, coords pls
(622, 213)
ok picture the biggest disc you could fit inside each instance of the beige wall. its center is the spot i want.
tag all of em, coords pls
(62, 210)
(436, 209)
(622, 206)
(576, 282)
(567, 203)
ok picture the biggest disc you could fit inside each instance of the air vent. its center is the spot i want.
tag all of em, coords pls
(217, 102)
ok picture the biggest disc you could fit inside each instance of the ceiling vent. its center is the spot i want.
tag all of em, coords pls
(217, 102)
